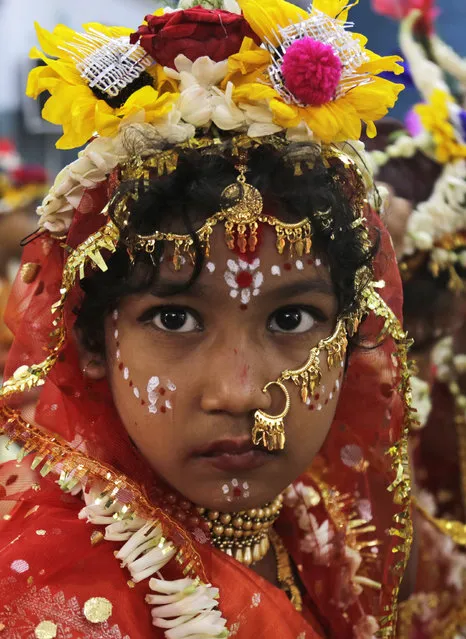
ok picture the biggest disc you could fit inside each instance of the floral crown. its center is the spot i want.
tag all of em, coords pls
(437, 227)
(255, 69)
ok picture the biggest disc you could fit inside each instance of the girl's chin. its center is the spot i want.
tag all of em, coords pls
(236, 503)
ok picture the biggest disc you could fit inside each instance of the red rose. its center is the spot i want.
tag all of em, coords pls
(194, 32)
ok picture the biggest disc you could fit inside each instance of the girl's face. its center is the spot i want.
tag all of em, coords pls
(187, 371)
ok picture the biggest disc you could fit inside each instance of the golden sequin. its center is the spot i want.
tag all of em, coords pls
(46, 630)
(29, 272)
(97, 609)
(96, 537)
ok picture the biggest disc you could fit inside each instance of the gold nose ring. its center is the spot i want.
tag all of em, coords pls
(269, 430)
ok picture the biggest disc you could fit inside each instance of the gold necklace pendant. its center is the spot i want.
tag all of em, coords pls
(243, 535)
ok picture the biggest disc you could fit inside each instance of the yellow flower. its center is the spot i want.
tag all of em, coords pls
(435, 118)
(364, 97)
(73, 104)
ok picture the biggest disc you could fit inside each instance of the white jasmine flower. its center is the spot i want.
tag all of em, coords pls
(197, 79)
(186, 609)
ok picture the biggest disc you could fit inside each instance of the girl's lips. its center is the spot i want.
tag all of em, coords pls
(233, 454)
(242, 461)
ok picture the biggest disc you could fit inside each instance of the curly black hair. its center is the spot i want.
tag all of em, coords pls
(183, 200)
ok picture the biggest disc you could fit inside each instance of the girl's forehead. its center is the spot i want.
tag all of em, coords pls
(251, 274)
(265, 252)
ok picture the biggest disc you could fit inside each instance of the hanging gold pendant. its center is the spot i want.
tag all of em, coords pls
(269, 430)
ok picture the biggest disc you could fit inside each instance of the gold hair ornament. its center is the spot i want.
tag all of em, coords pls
(241, 213)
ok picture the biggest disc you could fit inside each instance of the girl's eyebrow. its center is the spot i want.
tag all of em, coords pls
(287, 290)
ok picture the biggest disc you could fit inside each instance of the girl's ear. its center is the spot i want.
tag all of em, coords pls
(92, 364)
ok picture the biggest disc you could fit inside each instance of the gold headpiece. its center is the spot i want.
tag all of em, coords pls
(241, 213)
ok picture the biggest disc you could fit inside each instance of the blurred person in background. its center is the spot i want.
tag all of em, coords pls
(22, 188)
(420, 168)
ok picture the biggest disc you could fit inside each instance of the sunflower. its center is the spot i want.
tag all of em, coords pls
(70, 61)
(312, 71)
(435, 118)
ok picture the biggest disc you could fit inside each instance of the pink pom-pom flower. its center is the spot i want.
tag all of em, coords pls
(311, 71)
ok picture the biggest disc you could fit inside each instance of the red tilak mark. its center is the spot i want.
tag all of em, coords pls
(244, 279)
(236, 491)
(162, 391)
(287, 266)
(163, 409)
(244, 307)
(120, 366)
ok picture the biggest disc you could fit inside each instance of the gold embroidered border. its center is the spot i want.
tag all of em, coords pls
(53, 454)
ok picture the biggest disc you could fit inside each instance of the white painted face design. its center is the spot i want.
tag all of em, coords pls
(121, 365)
(244, 279)
(323, 395)
(159, 399)
(160, 395)
(235, 489)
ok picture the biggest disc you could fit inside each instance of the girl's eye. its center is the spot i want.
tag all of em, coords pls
(175, 320)
(291, 320)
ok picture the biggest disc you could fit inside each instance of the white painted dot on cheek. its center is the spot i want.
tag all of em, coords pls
(136, 392)
(153, 409)
(299, 265)
(225, 489)
(318, 262)
(234, 482)
(210, 266)
(171, 386)
(116, 333)
(153, 383)
(168, 404)
(115, 315)
(118, 354)
(126, 373)
(337, 384)
(275, 270)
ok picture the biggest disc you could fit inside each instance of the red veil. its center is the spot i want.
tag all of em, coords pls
(346, 522)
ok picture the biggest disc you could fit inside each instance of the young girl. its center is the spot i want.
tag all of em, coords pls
(211, 318)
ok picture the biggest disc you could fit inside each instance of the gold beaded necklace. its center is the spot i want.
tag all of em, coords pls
(243, 535)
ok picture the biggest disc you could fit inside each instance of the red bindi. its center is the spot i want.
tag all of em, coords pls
(244, 279)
